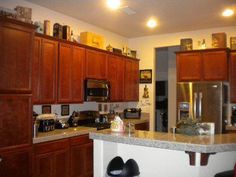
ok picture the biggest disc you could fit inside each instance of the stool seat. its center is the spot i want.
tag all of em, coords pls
(229, 173)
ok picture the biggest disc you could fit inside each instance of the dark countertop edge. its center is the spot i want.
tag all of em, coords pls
(162, 144)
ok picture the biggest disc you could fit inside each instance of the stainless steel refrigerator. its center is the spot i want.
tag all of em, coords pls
(206, 101)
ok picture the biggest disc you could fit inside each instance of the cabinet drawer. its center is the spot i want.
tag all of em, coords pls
(51, 146)
(80, 140)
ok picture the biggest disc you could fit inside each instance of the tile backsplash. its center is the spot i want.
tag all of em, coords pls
(101, 107)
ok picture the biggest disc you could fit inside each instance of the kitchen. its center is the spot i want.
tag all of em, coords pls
(145, 51)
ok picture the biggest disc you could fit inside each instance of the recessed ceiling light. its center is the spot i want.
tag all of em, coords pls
(152, 23)
(113, 4)
(227, 12)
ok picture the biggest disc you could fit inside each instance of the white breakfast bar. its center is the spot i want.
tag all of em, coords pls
(166, 154)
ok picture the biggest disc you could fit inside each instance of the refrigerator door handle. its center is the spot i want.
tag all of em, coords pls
(200, 104)
(195, 105)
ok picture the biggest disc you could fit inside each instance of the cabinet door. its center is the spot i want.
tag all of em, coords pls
(142, 126)
(71, 69)
(48, 71)
(131, 80)
(52, 159)
(16, 163)
(116, 71)
(81, 155)
(189, 66)
(215, 65)
(15, 120)
(96, 64)
(36, 70)
(16, 54)
(232, 77)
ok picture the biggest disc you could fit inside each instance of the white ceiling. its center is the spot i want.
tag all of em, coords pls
(172, 15)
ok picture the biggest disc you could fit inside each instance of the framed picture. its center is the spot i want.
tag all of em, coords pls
(145, 76)
(65, 110)
(233, 43)
(186, 44)
(46, 109)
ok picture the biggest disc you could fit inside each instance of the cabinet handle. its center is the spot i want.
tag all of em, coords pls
(1, 159)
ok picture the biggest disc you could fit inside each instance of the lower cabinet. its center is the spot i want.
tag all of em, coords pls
(81, 154)
(52, 159)
(64, 158)
(16, 162)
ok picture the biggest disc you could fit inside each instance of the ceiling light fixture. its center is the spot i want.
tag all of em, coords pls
(152, 23)
(227, 12)
(113, 4)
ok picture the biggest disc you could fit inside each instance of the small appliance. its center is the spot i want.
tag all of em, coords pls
(132, 113)
(97, 90)
(46, 125)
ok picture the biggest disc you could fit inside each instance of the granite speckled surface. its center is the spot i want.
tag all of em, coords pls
(71, 132)
(201, 144)
(62, 133)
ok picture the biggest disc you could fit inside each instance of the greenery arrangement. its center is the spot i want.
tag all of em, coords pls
(188, 126)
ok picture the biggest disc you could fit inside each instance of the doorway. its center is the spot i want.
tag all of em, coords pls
(165, 87)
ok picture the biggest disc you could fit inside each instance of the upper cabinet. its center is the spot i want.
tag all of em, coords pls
(16, 41)
(96, 64)
(44, 74)
(131, 80)
(116, 70)
(202, 65)
(71, 69)
(232, 77)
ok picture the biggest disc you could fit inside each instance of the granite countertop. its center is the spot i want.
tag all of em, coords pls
(62, 133)
(76, 131)
(200, 144)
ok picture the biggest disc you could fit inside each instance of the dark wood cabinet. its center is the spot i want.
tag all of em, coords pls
(16, 41)
(44, 74)
(189, 66)
(96, 64)
(116, 70)
(131, 80)
(232, 77)
(52, 159)
(142, 126)
(202, 65)
(16, 163)
(81, 154)
(71, 73)
(15, 120)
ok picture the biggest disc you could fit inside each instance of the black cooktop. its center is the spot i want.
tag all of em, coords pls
(99, 126)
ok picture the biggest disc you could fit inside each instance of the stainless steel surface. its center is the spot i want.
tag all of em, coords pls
(97, 90)
(208, 105)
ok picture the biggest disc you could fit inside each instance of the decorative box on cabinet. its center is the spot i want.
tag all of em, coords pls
(131, 80)
(71, 73)
(44, 74)
(232, 77)
(96, 64)
(202, 65)
(116, 70)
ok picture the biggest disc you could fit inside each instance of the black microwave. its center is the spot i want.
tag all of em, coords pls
(97, 90)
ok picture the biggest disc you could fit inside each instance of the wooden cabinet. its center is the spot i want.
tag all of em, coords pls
(96, 64)
(44, 74)
(71, 73)
(142, 126)
(16, 163)
(116, 70)
(15, 120)
(202, 65)
(131, 80)
(16, 41)
(52, 159)
(81, 157)
(232, 77)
